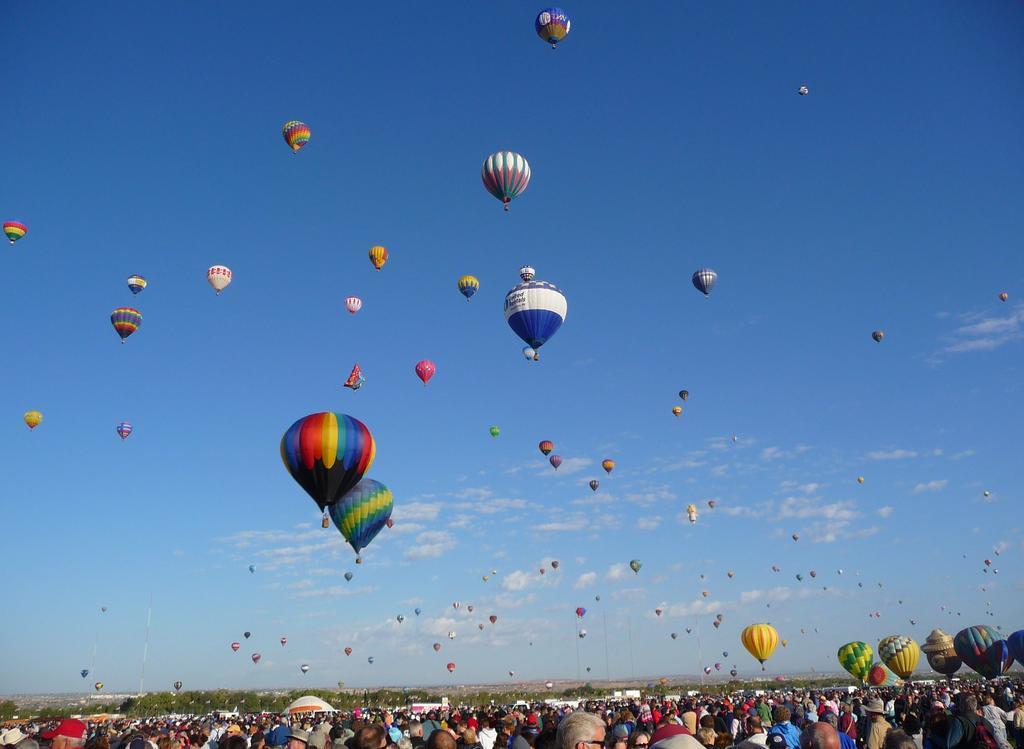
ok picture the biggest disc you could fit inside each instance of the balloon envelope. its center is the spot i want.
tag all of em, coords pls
(219, 277)
(535, 310)
(900, 653)
(468, 286)
(552, 25)
(296, 134)
(505, 175)
(362, 512)
(760, 640)
(984, 650)
(126, 320)
(704, 280)
(378, 256)
(856, 657)
(327, 454)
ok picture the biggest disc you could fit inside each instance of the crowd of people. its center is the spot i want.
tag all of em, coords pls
(968, 716)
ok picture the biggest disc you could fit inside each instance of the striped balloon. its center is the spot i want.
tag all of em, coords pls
(362, 512)
(535, 310)
(984, 650)
(123, 430)
(468, 286)
(136, 284)
(378, 256)
(126, 321)
(704, 280)
(327, 454)
(353, 304)
(900, 653)
(505, 175)
(552, 25)
(296, 134)
(15, 230)
(760, 640)
(219, 277)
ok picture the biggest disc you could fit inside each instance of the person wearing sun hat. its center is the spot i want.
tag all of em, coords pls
(879, 726)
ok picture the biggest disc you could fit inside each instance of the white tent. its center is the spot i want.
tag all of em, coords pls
(309, 704)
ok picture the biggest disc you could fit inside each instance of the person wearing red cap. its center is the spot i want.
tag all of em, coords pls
(68, 734)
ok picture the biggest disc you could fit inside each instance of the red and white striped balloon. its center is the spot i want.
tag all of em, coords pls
(353, 304)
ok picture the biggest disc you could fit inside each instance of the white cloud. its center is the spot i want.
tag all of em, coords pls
(630, 594)
(417, 511)
(585, 580)
(620, 571)
(777, 453)
(573, 523)
(569, 466)
(980, 333)
(518, 580)
(430, 545)
(648, 524)
(805, 507)
(930, 486)
(894, 454)
(885, 512)
(962, 454)
(335, 591)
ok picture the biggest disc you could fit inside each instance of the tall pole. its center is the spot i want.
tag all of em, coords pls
(145, 649)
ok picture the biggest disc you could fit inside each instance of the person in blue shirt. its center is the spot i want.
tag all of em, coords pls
(845, 742)
(782, 727)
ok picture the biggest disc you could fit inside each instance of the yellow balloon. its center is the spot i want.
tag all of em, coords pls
(900, 653)
(760, 640)
(32, 418)
(785, 643)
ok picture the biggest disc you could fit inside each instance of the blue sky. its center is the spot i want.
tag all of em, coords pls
(147, 140)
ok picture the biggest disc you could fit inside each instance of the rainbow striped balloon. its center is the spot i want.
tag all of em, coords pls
(505, 175)
(15, 230)
(296, 134)
(363, 512)
(327, 454)
(126, 320)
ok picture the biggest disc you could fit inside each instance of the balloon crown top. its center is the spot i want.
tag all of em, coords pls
(527, 273)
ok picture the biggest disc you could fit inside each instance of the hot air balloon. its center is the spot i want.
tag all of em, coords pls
(760, 640)
(296, 134)
(355, 378)
(549, 684)
(552, 25)
(455, 605)
(580, 612)
(400, 618)
(256, 657)
(608, 465)
(635, 565)
(1003, 296)
(378, 256)
(941, 654)
(676, 410)
(784, 644)
(856, 657)
(84, 672)
(362, 512)
(582, 633)
(900, 654)
(878, 335)
(219, 277)
(32, 419)
(554, 564)
(796, 536)
(425, 370)
(594, 483)
(704, 280)
(535, 309)
(657, 612)
(327, 454)
(98, 685)
(546, 446)
(492, 619)
(799, 577)
(353, 304)
(707, 670)
(304, 668)
(684, 394)
(123, 430)
(733, 673)
(712, 503)
(136, 284)
(1015, 643)
(177, 686)
(691, 513)
(284, 641)
(555, 461)
(417, 611)
(803, 91)
(881, 676)
(235, 646)
(468, 286)
(673, 635)
(450, 667)
(437, 647)
(984, 650)
(776, 568)
(348, 651)
(730, 574)
(814, 573)
(495, 431)
(247, 635)
(505, 175)
(126, 321)
(370, 660)
(704, 593)
(15, 230)
(348, 577)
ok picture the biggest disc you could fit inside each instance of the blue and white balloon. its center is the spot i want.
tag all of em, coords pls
(704, 280)
(535, 310)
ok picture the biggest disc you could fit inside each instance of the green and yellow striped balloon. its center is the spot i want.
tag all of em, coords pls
(856, 658)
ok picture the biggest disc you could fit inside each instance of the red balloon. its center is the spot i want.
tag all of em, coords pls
(425, 370)
(451, 667)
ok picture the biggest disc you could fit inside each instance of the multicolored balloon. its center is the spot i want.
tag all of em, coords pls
(123, 430)
(878, 335)
(378, 256)
(353, 304)
(1015, 643)
(15, 230)
(177, 686)
(255, 657)
(137, 284)
(552, 25)
(98, 686)
(535, 310)
(881, 676)
(32, 419)
(236, 646)
(219, 277)
(608, 465)
(296, 134)
(546, 446)
(704, 280)
(126, 321)
(327, 454)
(555, 461)
(760, 640)
(468, 286)
(676, 410)
(355, 378)
(362, 512)
(900, 653)
(984, 650)
(425, 370)
(635, 565)
(505, 175)
(856, 657)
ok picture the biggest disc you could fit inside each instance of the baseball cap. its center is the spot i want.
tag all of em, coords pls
(69, 727)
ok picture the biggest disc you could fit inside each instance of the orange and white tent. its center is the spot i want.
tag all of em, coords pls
(309, 704)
